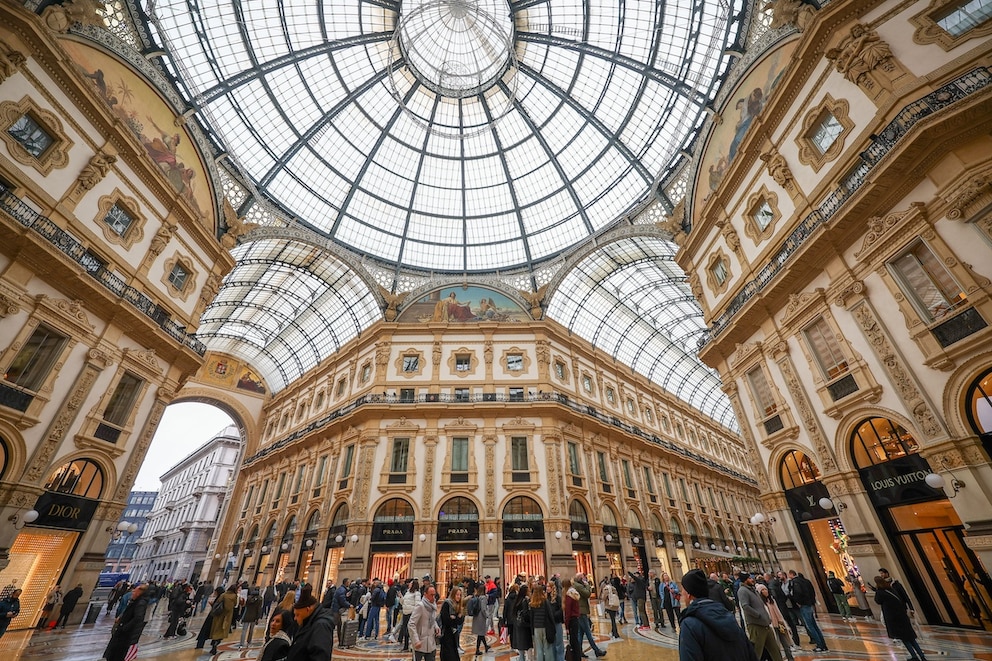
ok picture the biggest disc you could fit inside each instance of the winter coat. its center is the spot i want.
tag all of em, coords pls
(718, 594)
(521, 635)
(637, 588)
(315, 639)
(423, 626)
(410, 601)
(253, 607)
(753, 607)
(480, 623)
(221, 625)
(450, 620)
(897, 622)
(802, 590)
(270, 594)
(277, 648)
(584, 591)
(71, 598)
(608, 593)
(708, 632)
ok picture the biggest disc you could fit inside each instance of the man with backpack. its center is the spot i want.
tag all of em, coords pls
(376, 601)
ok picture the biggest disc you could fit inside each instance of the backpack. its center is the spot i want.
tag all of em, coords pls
(474, 606)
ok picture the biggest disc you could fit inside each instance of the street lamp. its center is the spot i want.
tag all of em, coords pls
(126, 530)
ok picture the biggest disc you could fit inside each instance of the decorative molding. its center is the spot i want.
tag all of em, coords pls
(743, 352)
(809, 153)
(392, 302)
(92, 174)
(430, 456)
(161, 239)
(754, 203)
(928, 31)
(59, 18)
(535, 298)
(55, 156)
(779, 170)
(753, 454)
(489, 440)
(880, 229)
(850, 294)
(863, 58)
(827, 462)
(969, 199)
(901, 378)
(790, 13)
(552, 450)
(11, 60)
(798, 304)
(189, 286)
(134, 233)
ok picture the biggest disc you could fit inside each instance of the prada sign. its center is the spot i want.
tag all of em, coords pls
(65, 511)
(521, 530)
(458, 531)
(394, 531)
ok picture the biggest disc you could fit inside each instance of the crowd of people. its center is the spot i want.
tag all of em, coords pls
(749, 617)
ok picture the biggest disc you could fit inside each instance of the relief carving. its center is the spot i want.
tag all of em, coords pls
(161, 239)
(863, 58)
(854, 290)
(430, 456)
(490, 442)
(790, 12)
(236, 227)
(534, 299)
(778, 169)
(8, 305)
(94, 171)
(60, 424)
(968, 200)
(11, 60)
(827, 462)
(393, 301)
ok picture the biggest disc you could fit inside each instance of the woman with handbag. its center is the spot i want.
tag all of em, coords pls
(521, 635)
(480, 627)
(451, 618)
(895, 612)
(542, 622)
(778, 620)
(608, 596)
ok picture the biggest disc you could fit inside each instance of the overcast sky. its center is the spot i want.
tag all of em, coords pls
(184, 428)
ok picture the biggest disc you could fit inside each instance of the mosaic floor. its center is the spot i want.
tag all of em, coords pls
(861, 640)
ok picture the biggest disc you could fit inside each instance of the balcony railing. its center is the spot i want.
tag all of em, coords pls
(883, 143)
(67, 244)
(488, 398)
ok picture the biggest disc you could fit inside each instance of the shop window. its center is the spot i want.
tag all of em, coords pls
(877, 440)
(574, 465)
(399, 460)
(81, 477)
(519, 459)
(34, 136)
(796, 470)
(31, 366)
(346, 466)
(824, 130)
(927, 283)
(952, 22)
(119, 408)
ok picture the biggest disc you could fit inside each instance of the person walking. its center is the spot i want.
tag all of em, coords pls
(542, 622)
(572, 614)
(268, 598)
(836, 587)
(521, 635)
(638, 588)
(411, 598)
(52, 599)
(223, 614)
(581, 585)
(654, 594)
(69, 602)
(492, 604)
(708, 630)
(250, 616)
(10, 607)
(671, 599)
(778, 587)
(204, 635)
(476, 609)
(450, 619)
(423, 627)
(896, 613)
(128, 627)
(778, 621)
(804, 596)
(377, 599)
(282, 625)
(608, 594)
(179, 601)
(758, 621)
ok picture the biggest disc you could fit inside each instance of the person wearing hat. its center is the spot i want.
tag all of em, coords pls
(708, 631)
(314, 639)
(757, 619)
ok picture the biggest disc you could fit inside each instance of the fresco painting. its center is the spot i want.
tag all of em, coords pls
(745, 104)
(464, 305)
(152, 122)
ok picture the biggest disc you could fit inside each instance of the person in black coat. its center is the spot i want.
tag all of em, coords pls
(717, 593)
(521, 635)
(314, 640)
(895, 612)
(451, 618)
(128, 627)
(69, 602)
(179, 602)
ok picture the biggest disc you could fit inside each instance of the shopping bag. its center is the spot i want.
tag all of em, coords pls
(601, 610)
(132, 653)
(504, 636)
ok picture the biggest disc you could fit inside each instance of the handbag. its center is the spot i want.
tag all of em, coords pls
(218, 608)
(352, 613)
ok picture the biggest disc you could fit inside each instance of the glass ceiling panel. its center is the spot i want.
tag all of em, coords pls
(512, 132)
(630, 299)
(284, 307)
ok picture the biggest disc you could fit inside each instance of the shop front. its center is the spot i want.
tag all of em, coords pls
(283, 570)
(946, 576)
(523, 540)
(334, 548)
(457, 543)
(391, 549)
(581, 540)
(305, 560)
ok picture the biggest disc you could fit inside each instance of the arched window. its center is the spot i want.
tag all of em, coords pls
(577, 513)
(877, 440)
(313, 522)
(707, 531)
(340, 518)
(691, 528)
(458, 508)
(236, 546)
(81, 477)
(522, 508)
(676, 528)
(797, 470)
(980, 404)
(609, 518)
(270, 533)
(633, 521)
(290, 527)
(656, 524)
(394, 510)
(252, 537)
(4, 456)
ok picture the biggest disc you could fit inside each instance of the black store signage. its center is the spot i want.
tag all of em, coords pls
(396, 531)
(899, 481)
(62, 510)
(458, 531)
(583, 530)
(523, 530)
(614, 532)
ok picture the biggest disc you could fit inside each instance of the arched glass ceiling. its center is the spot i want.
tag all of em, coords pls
(451, 135)
(630, 299)
(285, 307)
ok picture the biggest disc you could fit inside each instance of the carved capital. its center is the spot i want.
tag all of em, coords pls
(11, 61)
(975, 195)
(778, 169)
(849, 294)
(99, 359)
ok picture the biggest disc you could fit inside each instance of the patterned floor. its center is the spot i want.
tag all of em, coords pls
(859, 641)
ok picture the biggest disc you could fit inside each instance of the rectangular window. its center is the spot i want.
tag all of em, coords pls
(761, 392)
(927, 283)
(261, 496)
(122, 401)
(628, 480)
(514, 362)
(300, 474)
(366, 372)
(461, 395)
(519, 462)
(668, 485)
(720, 271)
(406, 395)
(36, 358)
(964, 16)
(516, 394)
(648, 482)
(463, 362)
(459, 455)
(587, 383)
(825, 132)
(611, 396)
(631, 408)
(349, 458)
(401, 456)
(763, 215)
(342, 384)
(31, 136)
(279, 487)
(825, 348)
(118, 220)
(601, 461)
(318, 478)
(560, 369)
(411, 363)
(573, 459)
(245, 504)
(178, 276)
(685, 492)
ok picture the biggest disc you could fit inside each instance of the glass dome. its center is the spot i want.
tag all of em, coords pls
(451, 135)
